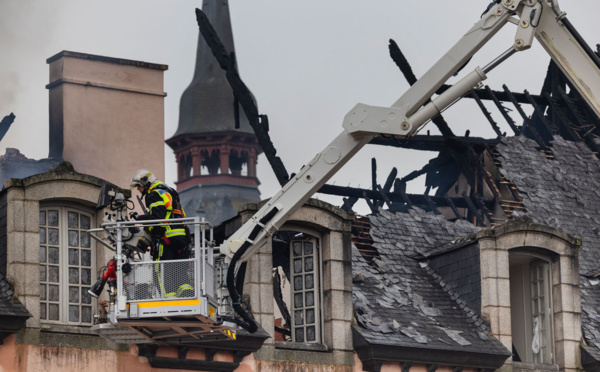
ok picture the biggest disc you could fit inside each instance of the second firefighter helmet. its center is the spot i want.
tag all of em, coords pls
(143, 177)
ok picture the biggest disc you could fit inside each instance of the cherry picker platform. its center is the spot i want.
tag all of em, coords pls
(162, 302)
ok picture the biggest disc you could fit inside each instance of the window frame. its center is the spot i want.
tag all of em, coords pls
(63, 264)
(526, 311)
(319, 343)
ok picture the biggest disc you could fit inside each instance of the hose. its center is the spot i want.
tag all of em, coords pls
(248, 323)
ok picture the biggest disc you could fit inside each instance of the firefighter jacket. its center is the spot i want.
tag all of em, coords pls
(161, 206)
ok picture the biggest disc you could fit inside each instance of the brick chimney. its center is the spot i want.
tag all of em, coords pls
(107, 115)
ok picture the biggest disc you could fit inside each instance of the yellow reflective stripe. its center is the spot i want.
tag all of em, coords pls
(169, 303)
(176, 232)
(184, 287)
(157, 270)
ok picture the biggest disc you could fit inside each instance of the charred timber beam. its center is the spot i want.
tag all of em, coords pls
(416, 199)
(402, 63)
(384, 197)
(486, 113)
(502, 96)
(372, 206)
(502, 110)
(473, 210)
(568, 132)
(436, 143)
(513, 99)
(432, 205)
(374, 178)
(542, 123)
(389, 182)
(453, 207)
(528, 127)
(242, 95)
(5, 124)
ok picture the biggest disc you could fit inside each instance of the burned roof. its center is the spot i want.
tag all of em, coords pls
(564, 192)
(400, 302)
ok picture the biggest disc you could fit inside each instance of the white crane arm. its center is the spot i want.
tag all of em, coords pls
(541, 19)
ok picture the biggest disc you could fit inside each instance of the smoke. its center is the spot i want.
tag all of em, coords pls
(25, 27)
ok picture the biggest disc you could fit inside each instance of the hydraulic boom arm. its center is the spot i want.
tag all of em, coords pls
(533, 18)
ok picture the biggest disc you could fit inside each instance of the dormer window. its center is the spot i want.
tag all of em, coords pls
(531, 309)
(296, 287)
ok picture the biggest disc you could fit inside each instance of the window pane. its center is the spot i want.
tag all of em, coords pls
(73, 220)
(86, 314)
(85, 222)
(53, 274)
(42, 254)
(42, 235)
(42, 273)
(86, 276)
(299, 334)
(74, 294)
(42, 311)
(309, 281)
(298, 300)
(310, 316)
(52, 293)
(310, 333)
(73, 275)
(308, 264)
(298, 265)
(73, 313)
(42, 291)
(298, 317)
(308, 248)
(52, 218)
(53, 310)
(310, 298)
(86, 259)
(53, 255)
(73, 256)
(73, 238)
(86, 298)
(85, 240)
(53, 236)
(42, 217)
(298, 282)
(297, 248)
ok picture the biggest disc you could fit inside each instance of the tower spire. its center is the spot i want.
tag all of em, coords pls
(207, 103)
(216, 162)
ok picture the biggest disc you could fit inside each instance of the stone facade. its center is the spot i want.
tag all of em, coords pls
(496, 245)
(333, 227)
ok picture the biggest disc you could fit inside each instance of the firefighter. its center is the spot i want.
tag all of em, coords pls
(172, 240)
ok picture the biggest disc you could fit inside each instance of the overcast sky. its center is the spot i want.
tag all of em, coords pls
(307, 62)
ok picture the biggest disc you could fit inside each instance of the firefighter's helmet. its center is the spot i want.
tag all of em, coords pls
(143, 177)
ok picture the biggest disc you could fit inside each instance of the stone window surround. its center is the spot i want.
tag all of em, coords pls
(526, 237)
(333, 226)
(23, 204)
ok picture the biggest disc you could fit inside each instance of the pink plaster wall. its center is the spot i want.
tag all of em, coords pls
(20, 357)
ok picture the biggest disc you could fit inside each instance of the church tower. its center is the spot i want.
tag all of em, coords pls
(216, 162)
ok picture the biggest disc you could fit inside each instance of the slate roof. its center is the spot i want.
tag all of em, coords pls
(403, 303)
(563, 193)
(10, 307)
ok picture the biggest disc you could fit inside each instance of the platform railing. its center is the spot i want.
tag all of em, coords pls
(163, 280)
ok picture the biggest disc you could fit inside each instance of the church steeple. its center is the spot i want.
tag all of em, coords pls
(207, 103)
(211, 153)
